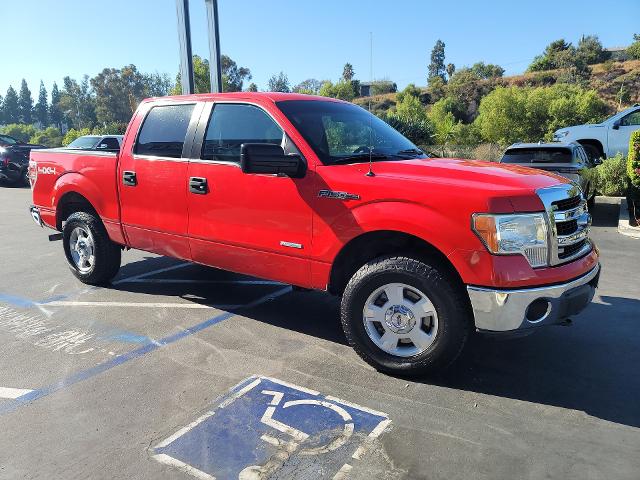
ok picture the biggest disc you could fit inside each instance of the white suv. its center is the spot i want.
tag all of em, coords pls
(604, 139)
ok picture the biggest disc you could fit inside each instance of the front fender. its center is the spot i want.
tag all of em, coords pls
(442, 230)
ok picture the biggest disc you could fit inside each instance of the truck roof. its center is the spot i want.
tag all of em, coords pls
(272, 96)
(544, 145)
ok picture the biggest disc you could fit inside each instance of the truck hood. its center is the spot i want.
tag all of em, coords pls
(473, 174)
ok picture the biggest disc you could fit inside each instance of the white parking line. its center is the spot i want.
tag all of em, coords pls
(6, 392)
(63, 303)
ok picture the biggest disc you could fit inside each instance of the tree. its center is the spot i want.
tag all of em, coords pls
(451, 68)
(19, 131)
(10, 108)
(1, 110)
(156, 84)
(310, 86)
(118, 93)
(634, 49)
(279, 83)
(77, 103)
(436, 67)
(486, 70)
(252, 87)
(548, 59)
(25, 103)
(591, 51)
(55, 115)
(41, 109)
(347, 72)
(232, 76)
(50, 137)
(411, 108)
(343, 90)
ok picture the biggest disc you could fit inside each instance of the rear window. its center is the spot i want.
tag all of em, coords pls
(537, 155)
(164, 130)
(84, 143)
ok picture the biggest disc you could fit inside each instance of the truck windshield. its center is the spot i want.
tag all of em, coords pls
(344, 133)
(537, 155)
(84, 143)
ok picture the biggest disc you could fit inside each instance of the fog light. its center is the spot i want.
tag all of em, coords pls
(538, 309)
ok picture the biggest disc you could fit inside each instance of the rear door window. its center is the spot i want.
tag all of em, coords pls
(109, 144)
(164, 130)
(538, 155)
(233, 124)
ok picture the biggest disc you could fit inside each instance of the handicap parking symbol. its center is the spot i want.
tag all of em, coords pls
(267, 428)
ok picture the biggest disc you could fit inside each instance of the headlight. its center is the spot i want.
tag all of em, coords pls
(524, 234)
(560, 134)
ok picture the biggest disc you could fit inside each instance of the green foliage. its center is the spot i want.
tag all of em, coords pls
(634, 49)
(410, 107)
(343, 90)
(437, 68)
(252, 87)
(310, 86)
(486, 70)
(591, 51)
(55, 115)
(117, 93)
(411, 90)
(445, 106)
(50, 137)
(233, 77)
(41, 110)
(511, 114)
(25, 104)
(114, 128)
(347, 72)
(381, 87)
(279, 83)
(633, 162)
(19, 131)
(611, 176)
(77, 103)
(72, 134)
(10, 109)
(418, 131)
(437, 88)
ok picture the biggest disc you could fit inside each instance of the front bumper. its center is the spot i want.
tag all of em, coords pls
(519, 309)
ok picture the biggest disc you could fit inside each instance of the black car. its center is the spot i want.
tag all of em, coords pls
(14, 160)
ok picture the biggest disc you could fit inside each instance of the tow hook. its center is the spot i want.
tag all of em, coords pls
(55, 237)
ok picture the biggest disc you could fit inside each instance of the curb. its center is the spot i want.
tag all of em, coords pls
(623, 222)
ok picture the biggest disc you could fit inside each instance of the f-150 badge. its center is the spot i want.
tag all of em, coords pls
(338, 195)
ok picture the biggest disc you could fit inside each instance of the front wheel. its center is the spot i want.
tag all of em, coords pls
(404, 316)
(93, 258)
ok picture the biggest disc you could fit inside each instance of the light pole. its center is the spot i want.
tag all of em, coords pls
(184, 39)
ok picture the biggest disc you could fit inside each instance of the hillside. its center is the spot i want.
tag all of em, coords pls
(606, 78)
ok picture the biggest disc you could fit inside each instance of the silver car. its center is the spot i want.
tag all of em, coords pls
(566, 159)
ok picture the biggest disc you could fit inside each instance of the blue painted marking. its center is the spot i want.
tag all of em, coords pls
(232, 439)
(54, 298)
(17, 301)
(82, 375)
(125, 337)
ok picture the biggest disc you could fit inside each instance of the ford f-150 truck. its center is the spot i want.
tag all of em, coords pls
(320, 194)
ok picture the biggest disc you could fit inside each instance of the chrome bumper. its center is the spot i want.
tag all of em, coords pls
(509, 310)
(35, 214)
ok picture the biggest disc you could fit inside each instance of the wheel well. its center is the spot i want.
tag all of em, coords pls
(368, 246)
(70, 203)
(595, 144)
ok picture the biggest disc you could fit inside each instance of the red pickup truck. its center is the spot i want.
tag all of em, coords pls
(321, 194)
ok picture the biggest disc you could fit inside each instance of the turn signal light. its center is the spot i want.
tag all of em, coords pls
(485, 227)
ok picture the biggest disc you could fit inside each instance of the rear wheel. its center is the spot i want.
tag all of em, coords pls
(93, 258)
(404, 316)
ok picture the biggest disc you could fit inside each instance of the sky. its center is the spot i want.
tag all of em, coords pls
(48, 39)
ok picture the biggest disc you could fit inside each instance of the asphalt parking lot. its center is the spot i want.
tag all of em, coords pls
(181, 371)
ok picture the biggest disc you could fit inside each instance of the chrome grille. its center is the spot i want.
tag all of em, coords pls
(569, 222)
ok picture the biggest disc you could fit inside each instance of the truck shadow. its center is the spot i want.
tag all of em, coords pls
(591, 366)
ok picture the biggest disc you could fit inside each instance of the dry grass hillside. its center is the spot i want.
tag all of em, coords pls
(606, 78)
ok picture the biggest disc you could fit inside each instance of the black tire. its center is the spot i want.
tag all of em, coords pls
(445, 292)
(107, 254)
(593, 152)
(25, 177)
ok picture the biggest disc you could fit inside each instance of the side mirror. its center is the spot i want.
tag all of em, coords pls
(268, 158)
(616, 125)
(597, 161)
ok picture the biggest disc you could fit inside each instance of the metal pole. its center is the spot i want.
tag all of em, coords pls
(184, 38)
(215, 70)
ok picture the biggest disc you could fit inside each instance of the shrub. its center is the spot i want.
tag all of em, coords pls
(49, 137)
(633, 162)
(611, 176)
(419, 131)
(73, 134)
(19, 131)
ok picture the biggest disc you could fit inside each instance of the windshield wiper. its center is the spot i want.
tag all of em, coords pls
(410, 151)
(364, 157)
